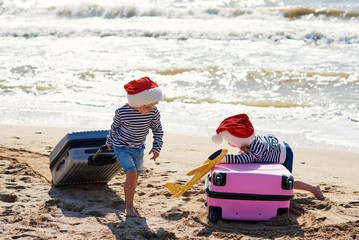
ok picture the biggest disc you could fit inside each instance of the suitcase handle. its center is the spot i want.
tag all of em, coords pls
(103, 159)
(61, 163)
(103, 147)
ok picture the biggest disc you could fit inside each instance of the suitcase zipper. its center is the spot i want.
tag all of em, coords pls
(246, 196)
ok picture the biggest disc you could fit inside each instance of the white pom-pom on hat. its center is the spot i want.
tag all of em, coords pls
(217, 139)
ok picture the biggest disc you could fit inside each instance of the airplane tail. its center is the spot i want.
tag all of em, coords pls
(174, 188)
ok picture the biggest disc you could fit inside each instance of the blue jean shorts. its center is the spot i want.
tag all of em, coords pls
(130, 158)
(288, 163)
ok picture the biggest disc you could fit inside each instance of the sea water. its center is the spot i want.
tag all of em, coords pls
(291, 65)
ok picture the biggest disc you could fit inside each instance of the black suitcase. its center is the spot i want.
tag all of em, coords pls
(82, 157)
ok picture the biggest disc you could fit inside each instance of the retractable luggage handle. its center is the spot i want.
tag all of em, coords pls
(103, 159)
(103, 147)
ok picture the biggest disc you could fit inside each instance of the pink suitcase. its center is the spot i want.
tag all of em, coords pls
(254, 192)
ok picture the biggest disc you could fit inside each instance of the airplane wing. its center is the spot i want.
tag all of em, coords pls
(177, 190)
(197, 170)
(173, 188)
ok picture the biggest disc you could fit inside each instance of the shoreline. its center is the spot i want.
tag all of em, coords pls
(30, 202)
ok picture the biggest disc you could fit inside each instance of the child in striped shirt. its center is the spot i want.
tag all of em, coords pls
(238, 131)
(129, 130)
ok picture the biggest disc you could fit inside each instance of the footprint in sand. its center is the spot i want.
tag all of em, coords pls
(281, 220)
(26, 179)
(15, 187)
(175, 214)
(50, 205)
(94, 213)
(141, 193)
(117, 203)
(321, 205)
(350, 204)
(356, 203)
(181, 182)
(160, 193)
(310, 204)
(332, 189)
(73, 207)
(9, 198)
(14, 170)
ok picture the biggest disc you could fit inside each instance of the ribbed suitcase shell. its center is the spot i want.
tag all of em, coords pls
(252, 192)
(71, 159)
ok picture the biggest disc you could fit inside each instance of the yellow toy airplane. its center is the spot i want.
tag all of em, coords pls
(177, 190)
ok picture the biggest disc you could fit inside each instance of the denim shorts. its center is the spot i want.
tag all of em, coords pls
(130, 158)
(288, 163)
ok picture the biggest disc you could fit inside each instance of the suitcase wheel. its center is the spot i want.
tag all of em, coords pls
(213, 217)
(282, 212)
(214, 213)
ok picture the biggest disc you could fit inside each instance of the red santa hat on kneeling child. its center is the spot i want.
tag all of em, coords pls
(142, 92)
(236, 130)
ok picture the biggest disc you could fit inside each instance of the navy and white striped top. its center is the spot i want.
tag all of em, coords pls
(264, 149)
(130, 128)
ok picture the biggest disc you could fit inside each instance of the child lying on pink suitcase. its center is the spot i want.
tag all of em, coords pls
(238, 131)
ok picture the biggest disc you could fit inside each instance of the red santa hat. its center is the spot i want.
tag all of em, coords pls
(142, 92)
(236, 130)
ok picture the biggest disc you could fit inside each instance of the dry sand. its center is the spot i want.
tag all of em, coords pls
(31, 208)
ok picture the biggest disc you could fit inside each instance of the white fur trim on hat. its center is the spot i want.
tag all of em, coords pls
(146, 97)
(217, 139)
(236, 141)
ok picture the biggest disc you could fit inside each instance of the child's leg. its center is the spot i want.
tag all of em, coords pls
(129, 189)
(310, 188)
(299, 184)
(131, 161)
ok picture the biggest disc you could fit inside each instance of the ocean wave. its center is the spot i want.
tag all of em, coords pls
(249, 87)
(308, 36)
(129, 11)
(298, 12)
(265, 103)
(90, 10)
(93, 10)
(175, 71)
(170, 10)
(87, 11)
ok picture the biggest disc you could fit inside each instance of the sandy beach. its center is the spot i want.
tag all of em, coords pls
(31, 208)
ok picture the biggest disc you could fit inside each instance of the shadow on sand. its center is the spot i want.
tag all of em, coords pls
(99, 201)
(281, 226)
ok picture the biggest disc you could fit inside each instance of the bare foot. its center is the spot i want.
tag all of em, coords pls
(318, 193)
(131, 212)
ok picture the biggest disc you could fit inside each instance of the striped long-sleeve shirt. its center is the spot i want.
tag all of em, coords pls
(264, 149)
(130, 128)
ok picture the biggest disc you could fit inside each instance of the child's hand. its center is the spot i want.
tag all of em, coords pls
(155, 155)
(109, 147)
